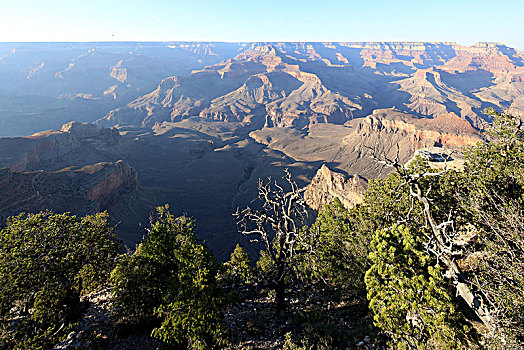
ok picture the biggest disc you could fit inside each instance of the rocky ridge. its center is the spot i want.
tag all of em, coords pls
(74, 170)
(447, 130)
(350, 147)
(299, 84)
(327, 184)
(44, 148)
(83, 191)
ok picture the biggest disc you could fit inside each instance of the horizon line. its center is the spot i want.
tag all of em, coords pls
(251, 42)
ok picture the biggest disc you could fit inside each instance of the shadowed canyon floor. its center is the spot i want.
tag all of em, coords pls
(201, 168)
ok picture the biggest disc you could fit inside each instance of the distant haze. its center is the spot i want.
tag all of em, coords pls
(463, 21)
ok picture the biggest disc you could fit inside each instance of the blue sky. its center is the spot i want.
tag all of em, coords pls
(463, 21)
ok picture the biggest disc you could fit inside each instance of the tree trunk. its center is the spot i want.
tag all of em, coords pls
(280, 291)
(474, 300)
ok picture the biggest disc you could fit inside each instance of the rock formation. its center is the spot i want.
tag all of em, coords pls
(350, 147)
(446, 130)
(77, 169)
(327, 184)
(83, 131)
(45, 148)
(82, 191)
(120, 177)
(300, 84)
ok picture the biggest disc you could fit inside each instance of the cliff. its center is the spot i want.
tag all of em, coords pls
(42, 149)
(83, 191)
(119, 177)
(448, 129)
(327, 184)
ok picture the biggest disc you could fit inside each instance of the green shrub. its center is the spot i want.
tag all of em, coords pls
(408, 296)
(139, 284)
(47, 261)
(170, 282)
(237, 275)
(333, 253)
(239, 270)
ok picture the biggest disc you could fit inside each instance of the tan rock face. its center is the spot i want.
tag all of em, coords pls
(91, 131)
(118, 72)
(327, 184)
(446, 130)
(50, 148)
(121, 177)
(84, 191)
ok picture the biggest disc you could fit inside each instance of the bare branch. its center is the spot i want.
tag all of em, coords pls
(276, 225)
(440, 243)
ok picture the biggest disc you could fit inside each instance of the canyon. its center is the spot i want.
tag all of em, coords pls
(125, 127)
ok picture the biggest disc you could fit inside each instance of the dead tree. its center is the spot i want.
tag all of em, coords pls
(442, 242)
(276, 225)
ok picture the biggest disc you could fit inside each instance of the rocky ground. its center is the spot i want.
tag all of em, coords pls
(252, 323)
(95, 330)
(311, 322)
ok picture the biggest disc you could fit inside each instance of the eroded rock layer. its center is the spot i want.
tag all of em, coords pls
(300, 84)
(327, 185)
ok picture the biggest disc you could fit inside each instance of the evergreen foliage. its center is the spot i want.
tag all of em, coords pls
(47, 261)
(493, 196)
(237, 276)
(239, 269)
(139, 286)
(170, 282)
(333, 252)
(408, 296)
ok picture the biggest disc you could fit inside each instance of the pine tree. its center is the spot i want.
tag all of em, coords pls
(47, 261)
(170, 282)
(408, 296)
